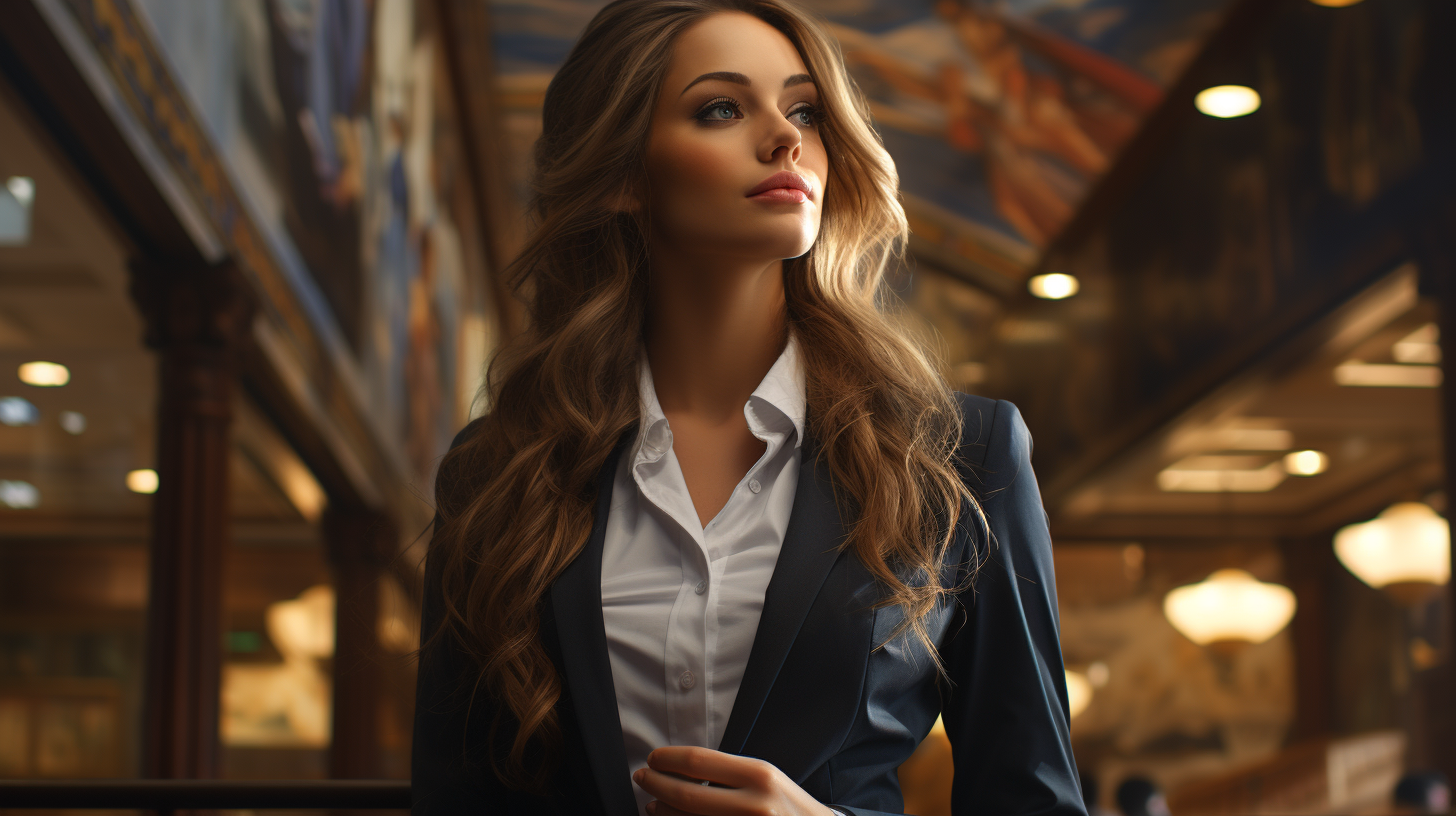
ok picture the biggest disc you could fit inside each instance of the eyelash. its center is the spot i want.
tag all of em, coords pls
(815, 114)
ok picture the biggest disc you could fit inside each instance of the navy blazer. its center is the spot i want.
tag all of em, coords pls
(836, 714)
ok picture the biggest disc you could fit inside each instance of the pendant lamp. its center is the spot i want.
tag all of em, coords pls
(1229, 609)
(1405, 551)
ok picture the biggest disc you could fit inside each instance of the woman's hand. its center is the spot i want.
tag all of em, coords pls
(740, 786)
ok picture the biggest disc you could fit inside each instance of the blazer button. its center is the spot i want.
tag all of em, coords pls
(754, 485)
(701, 587)
(687, 680)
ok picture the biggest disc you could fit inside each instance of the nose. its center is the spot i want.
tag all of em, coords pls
(782, 135)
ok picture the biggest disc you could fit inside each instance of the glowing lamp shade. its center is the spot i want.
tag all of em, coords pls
(1053, 286)
(1230, 607)
(1405, 551)
(142, 481)
(1079, 693)
(1227, 101)
(44, 374)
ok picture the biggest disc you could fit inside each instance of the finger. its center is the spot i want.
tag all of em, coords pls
(687, 796)
(714, 766)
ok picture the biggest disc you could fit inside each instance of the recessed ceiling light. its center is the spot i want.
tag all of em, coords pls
(1053, 286)
(1306, 463)
(45, 375)
(142, 481)
(1227, 101)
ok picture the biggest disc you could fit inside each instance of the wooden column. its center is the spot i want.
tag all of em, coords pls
(359, 541)
(1307, 562)
(197, 318)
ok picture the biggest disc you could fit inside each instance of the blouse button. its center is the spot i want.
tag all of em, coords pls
(701, 587)
(754, 485)
(687, 680)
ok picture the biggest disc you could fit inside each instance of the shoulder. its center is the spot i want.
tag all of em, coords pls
(995, 442)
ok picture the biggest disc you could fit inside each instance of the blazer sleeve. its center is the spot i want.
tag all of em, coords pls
(449, 764)
(1005, 709)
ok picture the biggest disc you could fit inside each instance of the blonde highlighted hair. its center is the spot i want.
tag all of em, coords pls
(515, 497)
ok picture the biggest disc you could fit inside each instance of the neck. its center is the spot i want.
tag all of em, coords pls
(713, 333)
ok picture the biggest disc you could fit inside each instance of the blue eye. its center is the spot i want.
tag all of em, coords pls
(709, 112)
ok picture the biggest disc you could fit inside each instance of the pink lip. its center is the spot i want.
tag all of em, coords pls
(781, 194)
(783, 182)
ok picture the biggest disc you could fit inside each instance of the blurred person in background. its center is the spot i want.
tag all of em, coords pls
(1423, 792)
(726, 542)
(1140, 796)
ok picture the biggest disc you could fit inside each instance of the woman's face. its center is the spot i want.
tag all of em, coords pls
(736, 108)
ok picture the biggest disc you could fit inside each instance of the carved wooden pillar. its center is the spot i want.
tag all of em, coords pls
(359, 541)
(197, 319)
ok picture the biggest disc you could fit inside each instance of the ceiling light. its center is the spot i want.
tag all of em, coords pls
(1227, 101)
(44, 374)
(1305, 463)
(1405, 551)
(1334, 3)
(17, 411)
(1222, 474)
(142, 481)
(1420, 346)
(19, 495)
(1053, 286)
(1379, 375)
(74, 422)
(1231, 607)
(1079, 693)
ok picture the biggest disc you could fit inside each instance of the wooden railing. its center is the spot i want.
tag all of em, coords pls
(204, 794)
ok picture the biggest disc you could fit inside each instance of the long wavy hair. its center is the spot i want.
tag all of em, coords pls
(515, 496)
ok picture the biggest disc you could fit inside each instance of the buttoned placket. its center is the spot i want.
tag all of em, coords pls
(692, 623)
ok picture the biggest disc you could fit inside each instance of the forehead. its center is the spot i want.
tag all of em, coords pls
(733, 41)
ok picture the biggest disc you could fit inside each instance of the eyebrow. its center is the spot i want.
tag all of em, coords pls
(742, 79)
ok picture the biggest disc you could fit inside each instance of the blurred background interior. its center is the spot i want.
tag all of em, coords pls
(248, 282)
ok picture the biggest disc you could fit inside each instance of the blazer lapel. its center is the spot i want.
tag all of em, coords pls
(810, 549)
(576, 599)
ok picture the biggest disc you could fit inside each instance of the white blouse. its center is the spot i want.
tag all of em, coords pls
(681, 601)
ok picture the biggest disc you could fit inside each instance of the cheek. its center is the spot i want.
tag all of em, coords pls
(692, 170)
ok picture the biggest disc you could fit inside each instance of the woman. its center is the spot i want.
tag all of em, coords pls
(644, 598)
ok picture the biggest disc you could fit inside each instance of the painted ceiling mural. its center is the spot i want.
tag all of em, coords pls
(1000, 115)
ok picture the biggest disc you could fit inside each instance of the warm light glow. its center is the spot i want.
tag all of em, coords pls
(142, 481)
(1407, 544)
(17, 411)
(1373, 375)
(304, 627)
(1420, 346)
(1230, 606)
(1306, 462)
(1222, 474)
(1227, 101)
(1334, 3)
(19, 495)
(1079, 693)
(1098, 674)
(1053, 286)
(44, 374)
